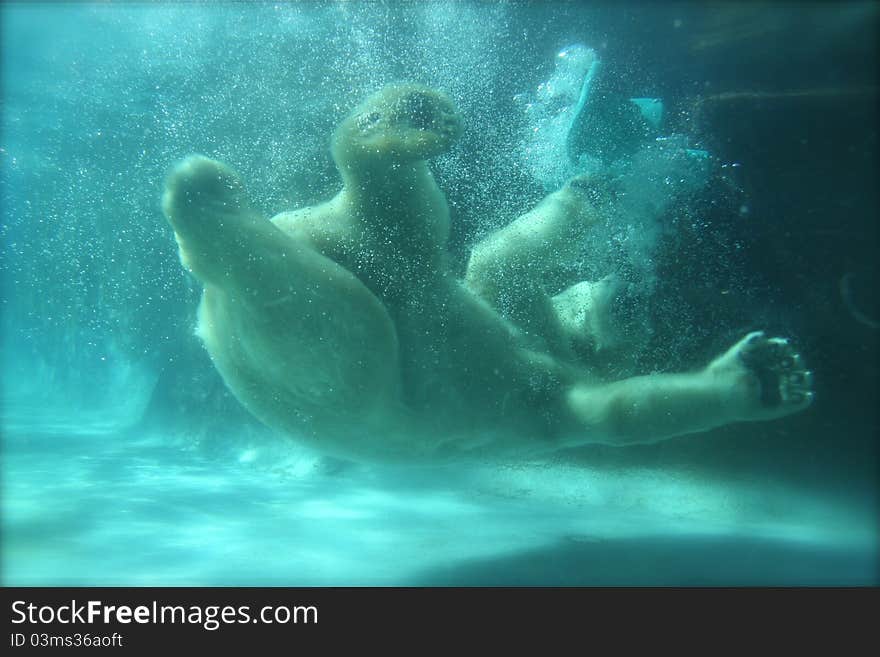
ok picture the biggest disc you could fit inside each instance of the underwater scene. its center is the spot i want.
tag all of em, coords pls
(439, 294)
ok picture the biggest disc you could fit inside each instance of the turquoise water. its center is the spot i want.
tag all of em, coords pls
(89, 507)
(126, 462)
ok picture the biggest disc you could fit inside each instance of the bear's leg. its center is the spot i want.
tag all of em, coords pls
(536, 245)
(298, 338)
(759, 378)
(217, 230)
(513, 267)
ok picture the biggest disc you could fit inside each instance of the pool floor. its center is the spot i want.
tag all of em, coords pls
(89, 506)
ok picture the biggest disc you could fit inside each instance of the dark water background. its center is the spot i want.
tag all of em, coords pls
(126, 461)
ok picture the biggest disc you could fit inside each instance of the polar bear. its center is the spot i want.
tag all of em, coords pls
(343, 326)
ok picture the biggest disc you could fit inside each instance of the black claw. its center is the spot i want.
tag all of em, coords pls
(779, 371)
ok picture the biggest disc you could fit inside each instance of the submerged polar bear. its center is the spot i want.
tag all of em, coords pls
(343, 326)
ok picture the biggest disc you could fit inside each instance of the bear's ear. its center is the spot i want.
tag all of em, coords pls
(399, 122)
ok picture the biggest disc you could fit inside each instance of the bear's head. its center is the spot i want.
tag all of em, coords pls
(401, 122)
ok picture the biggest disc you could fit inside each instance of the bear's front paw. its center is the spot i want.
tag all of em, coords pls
(767, 377)
(199, 187)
